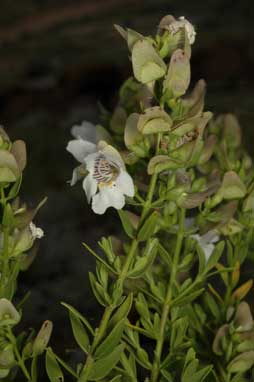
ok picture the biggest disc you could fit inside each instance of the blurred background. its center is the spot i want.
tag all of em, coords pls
(58, 59)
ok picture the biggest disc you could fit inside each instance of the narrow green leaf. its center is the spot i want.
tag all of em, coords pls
(142, 263)
(122, 312)
(111, 341)
(126, 223)
(165, 255)
(98, 290)
(190, 371)
(103, 366)
(53, 369)
(109, 268)
(149, 227)
(15, 188)
(201, 259)
(79, 333)
(168, 377)
(78, 315)
(187, 299)
(201, 375)
(129, 365)
(215, 256)
(211, 303)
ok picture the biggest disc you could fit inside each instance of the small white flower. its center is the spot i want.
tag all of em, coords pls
(182, 22)
(87, 136)
(206, 242)
(107, 174)
(37, 233)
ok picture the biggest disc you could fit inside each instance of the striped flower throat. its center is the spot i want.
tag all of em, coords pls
(105, 172)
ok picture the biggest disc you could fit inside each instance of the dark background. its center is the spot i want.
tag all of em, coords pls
(57, 59)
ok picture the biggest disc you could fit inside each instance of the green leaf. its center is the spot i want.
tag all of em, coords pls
(111, 341)
(165, 255)
(242, 362)
(126, 223)
(168, 377)
(190, 371)
(103, 366)
(143, 359)
(215, 256)
(79, 333)
(142, 263)
(212, 305)
(190, 356)
(179, 328)
(122, 312)
(129, 365)
(149, 227)
(201, 375)
(142, 307)
(79, 316)
(109, 268)
(15, 188)
(53, 369)
(99, 292)
(187, 299)
(117, 378)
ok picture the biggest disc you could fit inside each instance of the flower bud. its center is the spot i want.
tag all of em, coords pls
(42, 338)
(178, 76)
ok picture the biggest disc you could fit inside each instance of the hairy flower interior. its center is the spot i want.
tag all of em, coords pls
(105, 172)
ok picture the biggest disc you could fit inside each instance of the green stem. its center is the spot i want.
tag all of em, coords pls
(87, 368)
(20, 360)
(168, 300)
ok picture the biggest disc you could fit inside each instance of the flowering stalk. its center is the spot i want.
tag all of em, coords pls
(4, 273)
(17, 236)
(100, 332)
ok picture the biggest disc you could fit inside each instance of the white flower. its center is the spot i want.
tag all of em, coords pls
(37, 233)
(107, 174)
(206, 242)
(183, 23)
(87, 136)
